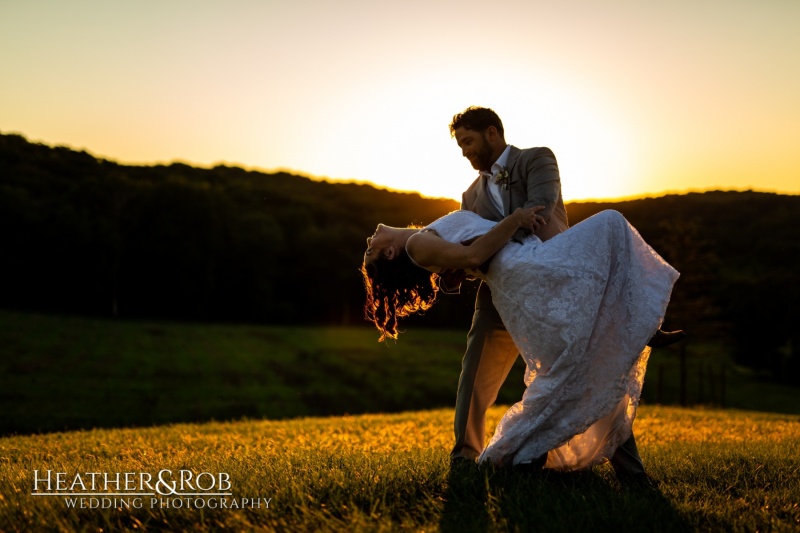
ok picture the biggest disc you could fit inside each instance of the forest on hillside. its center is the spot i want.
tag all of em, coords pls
(82, 235)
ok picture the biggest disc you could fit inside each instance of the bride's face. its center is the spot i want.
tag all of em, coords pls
(378, 244)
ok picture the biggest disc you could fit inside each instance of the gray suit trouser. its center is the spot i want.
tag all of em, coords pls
(489, 356)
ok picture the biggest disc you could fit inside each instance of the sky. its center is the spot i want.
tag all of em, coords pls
(636, 98)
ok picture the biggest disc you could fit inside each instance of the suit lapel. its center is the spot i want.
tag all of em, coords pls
(484, 204)
(513, 154)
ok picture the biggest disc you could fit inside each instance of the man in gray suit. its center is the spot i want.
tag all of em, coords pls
(509, 178)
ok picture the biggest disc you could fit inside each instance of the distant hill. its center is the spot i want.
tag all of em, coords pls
(86, 235)
(83, 235)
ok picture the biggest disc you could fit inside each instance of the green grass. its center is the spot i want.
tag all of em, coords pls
(718, 471)
(705, 361)
(728, 470)
(63, 373)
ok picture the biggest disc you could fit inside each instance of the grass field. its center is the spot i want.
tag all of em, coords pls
(66, 373)
(157, 389)
(718, 471)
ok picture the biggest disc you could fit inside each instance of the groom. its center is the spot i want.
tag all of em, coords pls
(508, 178)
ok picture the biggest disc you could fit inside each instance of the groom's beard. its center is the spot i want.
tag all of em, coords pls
(483, 157)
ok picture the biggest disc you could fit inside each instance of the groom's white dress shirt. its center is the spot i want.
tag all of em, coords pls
(492, 188)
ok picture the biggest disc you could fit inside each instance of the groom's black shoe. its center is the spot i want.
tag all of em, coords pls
(461, 463)
(533, 467)
(665, 338)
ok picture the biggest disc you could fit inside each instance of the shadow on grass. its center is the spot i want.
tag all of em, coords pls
(479, 499)
(466, 499)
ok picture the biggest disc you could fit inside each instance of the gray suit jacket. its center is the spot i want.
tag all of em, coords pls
(533, 180)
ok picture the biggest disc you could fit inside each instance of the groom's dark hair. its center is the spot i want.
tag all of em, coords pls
(476, 119)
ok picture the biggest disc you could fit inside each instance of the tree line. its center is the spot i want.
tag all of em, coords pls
(83, 235)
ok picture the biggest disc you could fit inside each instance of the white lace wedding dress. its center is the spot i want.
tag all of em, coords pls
(580, 308)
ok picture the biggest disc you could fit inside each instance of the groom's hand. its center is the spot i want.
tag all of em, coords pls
(529, 219)
(450, 280)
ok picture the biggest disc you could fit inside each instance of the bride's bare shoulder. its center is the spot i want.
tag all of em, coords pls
(424, 247)
(423, 235)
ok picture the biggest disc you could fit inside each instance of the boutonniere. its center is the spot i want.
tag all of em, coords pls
(502, 178)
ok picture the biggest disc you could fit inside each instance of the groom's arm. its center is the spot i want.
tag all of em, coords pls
(543, 187)
(542, 181)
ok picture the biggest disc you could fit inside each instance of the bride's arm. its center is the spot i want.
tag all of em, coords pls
(432, 252)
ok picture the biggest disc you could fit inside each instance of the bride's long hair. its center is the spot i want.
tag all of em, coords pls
(396, 289)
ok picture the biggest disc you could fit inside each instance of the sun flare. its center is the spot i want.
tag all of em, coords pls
(407, 145)
(364, 91)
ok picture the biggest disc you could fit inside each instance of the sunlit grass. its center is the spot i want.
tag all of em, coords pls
(718, 470)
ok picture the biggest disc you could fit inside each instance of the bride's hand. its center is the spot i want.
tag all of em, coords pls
(528, 218)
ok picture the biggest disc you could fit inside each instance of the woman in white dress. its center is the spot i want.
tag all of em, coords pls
(580, 307)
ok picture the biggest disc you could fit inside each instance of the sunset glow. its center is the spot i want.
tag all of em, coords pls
(634, 98)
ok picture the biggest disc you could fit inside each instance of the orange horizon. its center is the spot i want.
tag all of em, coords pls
(358, 181)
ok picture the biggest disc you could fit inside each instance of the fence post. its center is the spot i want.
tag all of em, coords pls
(712, 383)
(684, 374)
(700, 392)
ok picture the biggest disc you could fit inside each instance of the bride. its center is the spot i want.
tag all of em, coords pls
(580, 308)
